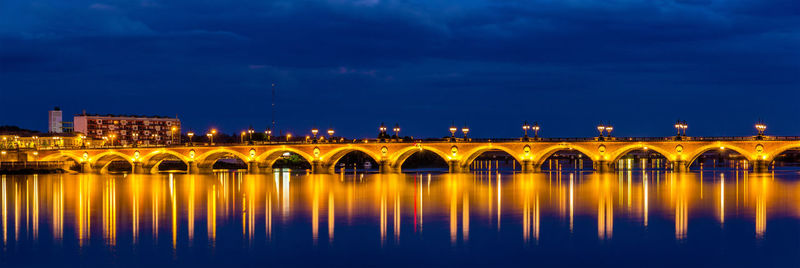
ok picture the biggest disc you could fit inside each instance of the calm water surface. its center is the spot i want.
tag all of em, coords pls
(639, 218)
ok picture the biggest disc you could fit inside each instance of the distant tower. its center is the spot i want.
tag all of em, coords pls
(54, 123)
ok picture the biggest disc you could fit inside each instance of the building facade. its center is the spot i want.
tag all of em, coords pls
(122, 130)
(54, 122)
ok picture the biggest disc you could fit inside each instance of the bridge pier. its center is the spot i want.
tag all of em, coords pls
(86, 167)
(679, 166)
(454, 166)
(318, 167)
(602, 166)
(137, 168)
(387, 168)
(252, 167)
(528, 166)
(191, 167)
(760, 166)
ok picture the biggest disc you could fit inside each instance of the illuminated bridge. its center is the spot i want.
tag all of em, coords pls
(531, 154)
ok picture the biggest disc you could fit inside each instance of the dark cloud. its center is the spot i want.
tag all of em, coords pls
(353, 64)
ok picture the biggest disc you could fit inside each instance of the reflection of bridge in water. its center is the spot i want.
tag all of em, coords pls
(605, 154)
(464, 202)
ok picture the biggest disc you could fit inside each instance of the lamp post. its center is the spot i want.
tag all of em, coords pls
(535, 129)
(190, 134)
(684, 126)
(601, 128)
(241, 137)
(465, 130)
(453, 130)
(250, 132)
(314, 132)
(609, 128)
(396, 130)
(288, 136)
(83, 143)
(382, 132)
(330, 134)
(761, 128)
(269, 134)
(525, 128)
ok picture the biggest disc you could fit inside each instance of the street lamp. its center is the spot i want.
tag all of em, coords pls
(190, 134)
(761, 127)
(330, 134)
(250, 132)
(453, 130)
(601, 128)
(396, 130)
(382, 131)
(241, 139)
(314, 132)
(525, 128)
(684, 126)
(465, 129)
(269, 134)
(288, 136)
(210, 136)
(609, 128)
(535, 129)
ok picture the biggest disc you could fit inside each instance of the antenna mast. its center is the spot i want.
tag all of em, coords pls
(273, 106)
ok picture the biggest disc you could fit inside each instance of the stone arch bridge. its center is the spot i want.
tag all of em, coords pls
(459, 155)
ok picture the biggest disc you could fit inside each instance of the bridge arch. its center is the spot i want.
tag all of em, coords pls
(476, 152)
(62, 156)
(397, 158)
(152, 160)
(549, 151)
(700, 151)
(621, 152)
(207, 159)
(101, 161)
(780, 150)
(332, 157)
(269, 158)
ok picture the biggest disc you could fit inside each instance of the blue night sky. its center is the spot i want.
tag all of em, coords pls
(720, 65)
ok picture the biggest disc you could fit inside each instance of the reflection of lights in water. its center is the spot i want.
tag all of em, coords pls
(147, 194)
(4, 212)
(722, 198)
(571, 201)
(135, 208)
(190, 210)
(315, 211)
(499, 207)
(174, 211)
(681, 210)
(35, 216)
(285, 194)
(396, 215)
(465, 217)
(331, 216)
(645, 182)
(211, 215)
(761, 209)
(383, 216)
